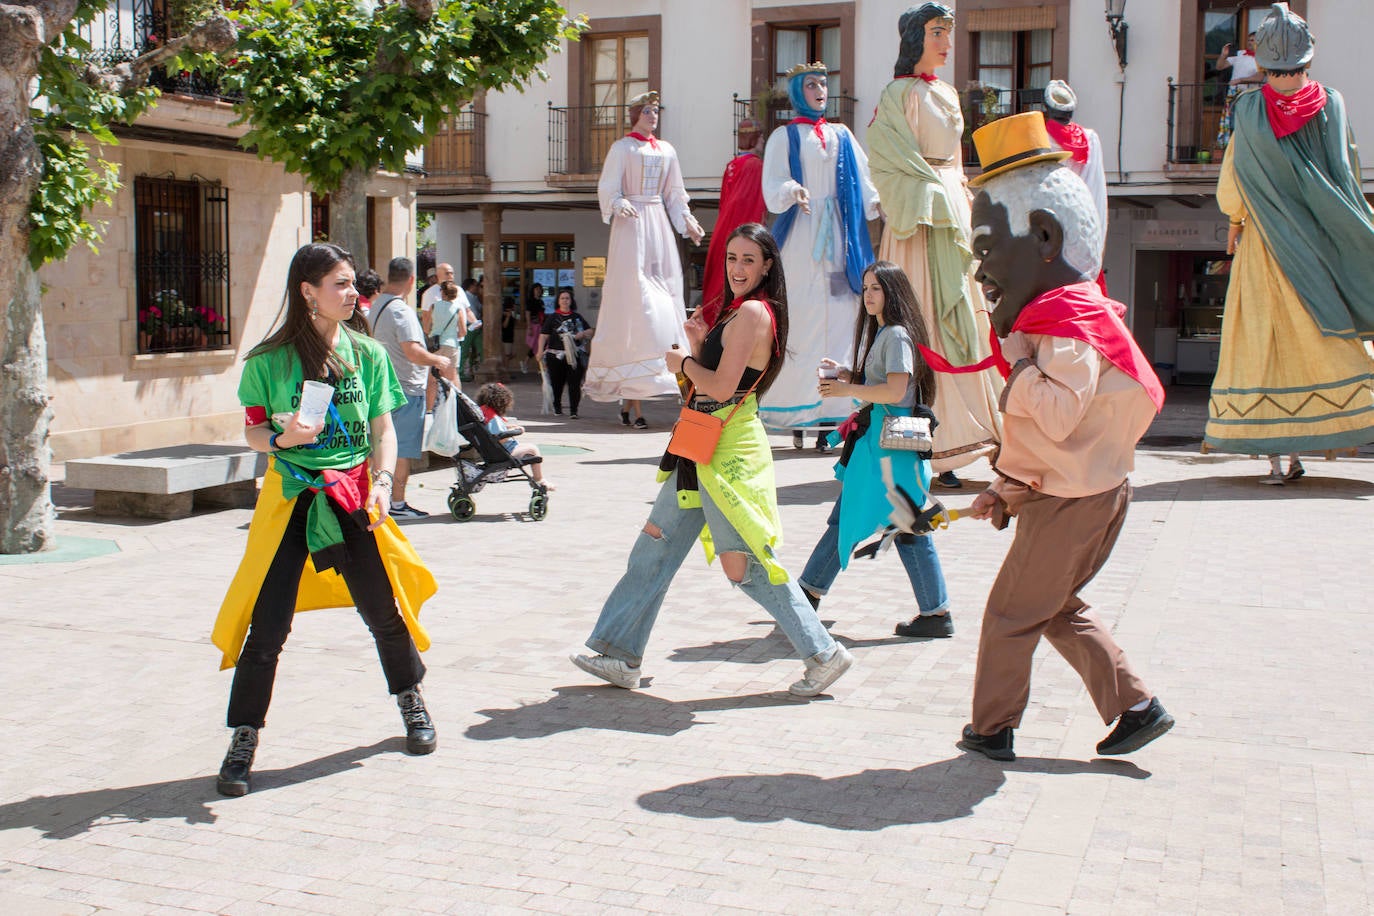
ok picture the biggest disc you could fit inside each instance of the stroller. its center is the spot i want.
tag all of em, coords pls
(484, 461)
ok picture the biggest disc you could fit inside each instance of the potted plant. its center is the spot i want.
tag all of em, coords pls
(177, 331)
(149, 323)
(209, 324)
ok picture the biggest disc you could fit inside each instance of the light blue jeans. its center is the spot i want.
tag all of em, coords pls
(918, 555)
(622, 630)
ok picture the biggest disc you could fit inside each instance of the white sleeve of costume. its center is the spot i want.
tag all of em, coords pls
(675, 197)
(612, 176)
(779, 190)
(1095, 176)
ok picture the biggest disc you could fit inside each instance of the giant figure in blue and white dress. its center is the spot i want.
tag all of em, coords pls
(815, 175)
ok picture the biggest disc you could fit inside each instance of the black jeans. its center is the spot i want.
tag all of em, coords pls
(276, 605)
(561, 374)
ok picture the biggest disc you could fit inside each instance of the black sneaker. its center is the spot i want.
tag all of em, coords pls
(1134, 730)
(558, 410)
(935, 626)
(949, 480)
(624, 418)
(420, 737)
(996, 746)
(237, 770)
(640, 423)
(406, 510)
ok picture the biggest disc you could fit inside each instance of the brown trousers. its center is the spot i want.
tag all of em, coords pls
(1060, 545)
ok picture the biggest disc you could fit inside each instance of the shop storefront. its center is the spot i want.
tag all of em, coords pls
(1179, 271)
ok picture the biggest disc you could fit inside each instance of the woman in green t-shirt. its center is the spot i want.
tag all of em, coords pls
(320, 535)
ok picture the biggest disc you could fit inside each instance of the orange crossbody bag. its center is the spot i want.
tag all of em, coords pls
(696, 434)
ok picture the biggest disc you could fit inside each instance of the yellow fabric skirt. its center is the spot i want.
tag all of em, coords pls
(1281, 386)
(411, 582)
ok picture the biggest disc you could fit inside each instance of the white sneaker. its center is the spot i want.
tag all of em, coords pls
(612, 670)
(820, 675)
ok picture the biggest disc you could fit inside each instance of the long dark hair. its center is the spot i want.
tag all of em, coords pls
(772, 289)
(912, 29)
(311, 264)
(900, 309)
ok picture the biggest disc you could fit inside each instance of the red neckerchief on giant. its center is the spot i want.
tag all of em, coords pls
(1288, 113)
(1070, 137)
(1078, 311)
(767, 307)
(651, 139)
(819, 122)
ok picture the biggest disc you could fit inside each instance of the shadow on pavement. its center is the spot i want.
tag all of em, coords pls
(1218, 489)
(871, 800)
(611, 709)
(756, 650)
(61, 817)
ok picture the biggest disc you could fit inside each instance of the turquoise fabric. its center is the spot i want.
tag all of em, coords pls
(1304, 192)
(864, 508)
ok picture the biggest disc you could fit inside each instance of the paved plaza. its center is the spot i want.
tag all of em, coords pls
(710, 790)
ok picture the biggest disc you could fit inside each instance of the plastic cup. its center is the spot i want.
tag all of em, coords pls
(828, 372)
(315, 398)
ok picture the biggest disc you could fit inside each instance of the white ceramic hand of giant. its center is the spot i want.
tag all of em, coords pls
(626, 209)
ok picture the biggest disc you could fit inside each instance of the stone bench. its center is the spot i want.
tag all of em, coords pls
(170, 482)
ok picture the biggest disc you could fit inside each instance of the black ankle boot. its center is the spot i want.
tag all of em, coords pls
(420, 737)
(237, 769)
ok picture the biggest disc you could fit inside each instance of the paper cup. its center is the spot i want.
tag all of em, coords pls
(315, 398)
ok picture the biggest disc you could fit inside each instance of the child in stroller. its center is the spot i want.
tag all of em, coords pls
(492, 453)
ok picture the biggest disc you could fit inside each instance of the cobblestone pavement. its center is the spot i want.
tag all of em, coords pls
(709, 790)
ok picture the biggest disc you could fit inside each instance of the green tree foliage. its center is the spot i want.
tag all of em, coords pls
(75, 100)
(333, 86)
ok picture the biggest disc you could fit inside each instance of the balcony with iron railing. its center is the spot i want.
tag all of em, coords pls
(984, 104)
(778, 111)
(1193, 148)
(579, 138)
(127, 28)
(456, 156)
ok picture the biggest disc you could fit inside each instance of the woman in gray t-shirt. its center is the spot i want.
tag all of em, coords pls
(893, 380)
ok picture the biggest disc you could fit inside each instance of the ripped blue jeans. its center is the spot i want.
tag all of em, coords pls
(627, 618)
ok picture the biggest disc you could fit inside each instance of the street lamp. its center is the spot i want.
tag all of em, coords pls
(1116, 24)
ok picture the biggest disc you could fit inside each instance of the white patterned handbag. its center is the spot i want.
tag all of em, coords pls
(906, 434)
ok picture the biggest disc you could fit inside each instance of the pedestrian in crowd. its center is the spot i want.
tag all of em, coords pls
(450, 327)
(815, 176)
(891, 380)
(496, 401)
(1079, 395)
(562, 350)
(642, 309)
(320, 503)
(509, 318)
(730, 502)
(915, 147)
(534, 323)
(368, 285)
(396, 327)
(1245, 75)
(1294, 374)
(438, 276)
(472, 344)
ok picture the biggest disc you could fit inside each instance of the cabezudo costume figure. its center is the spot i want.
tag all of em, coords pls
(1079, 394)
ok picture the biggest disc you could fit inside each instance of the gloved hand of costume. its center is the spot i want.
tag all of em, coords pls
(802, 197)
(625, 209)
(694, 230)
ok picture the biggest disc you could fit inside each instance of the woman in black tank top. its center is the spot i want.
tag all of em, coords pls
(730, 502)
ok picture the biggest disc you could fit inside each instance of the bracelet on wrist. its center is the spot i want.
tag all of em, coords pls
(383, 479)
(272, 445)
(685, 360)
